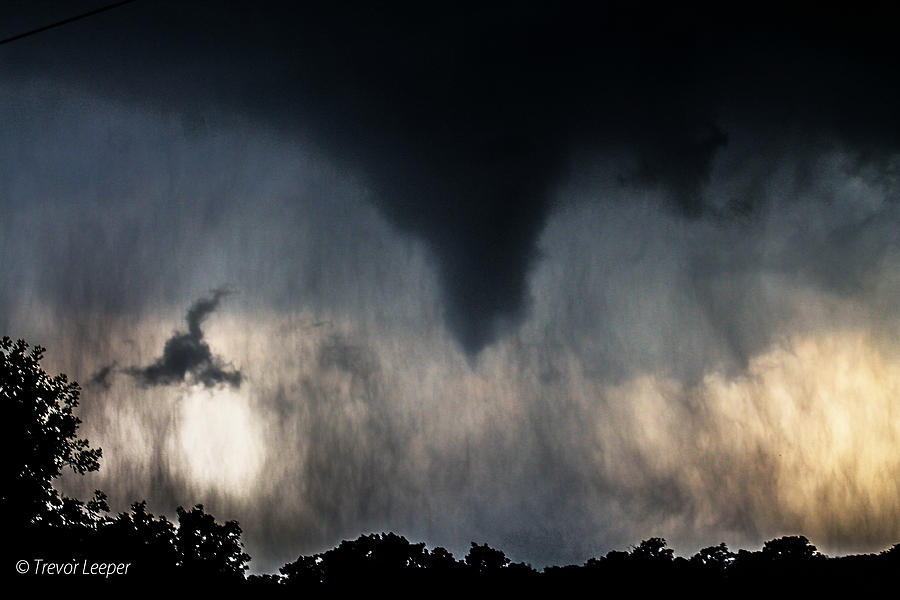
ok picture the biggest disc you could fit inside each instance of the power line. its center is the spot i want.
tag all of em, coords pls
(65, 21)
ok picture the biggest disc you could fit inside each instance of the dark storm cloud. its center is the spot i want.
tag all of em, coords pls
(103, 376)
(462, 117)
(187, 354)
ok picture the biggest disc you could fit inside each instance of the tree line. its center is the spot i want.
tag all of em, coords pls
(198, 551)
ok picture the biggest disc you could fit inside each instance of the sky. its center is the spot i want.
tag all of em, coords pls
(557, 278)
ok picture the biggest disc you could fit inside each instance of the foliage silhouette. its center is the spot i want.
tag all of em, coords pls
(713, 560)
(789, 548)
(146, 541)
(40, 425)
(892, 554)
(41, 428)
(484, 559)
(370, 558)
(207, 549)
(654, 549)
(441, 560)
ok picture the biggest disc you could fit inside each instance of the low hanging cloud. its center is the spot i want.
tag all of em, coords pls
(103, 377)
(186, 356)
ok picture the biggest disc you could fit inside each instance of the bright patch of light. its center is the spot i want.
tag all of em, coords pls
(806, 440)
(220, 440)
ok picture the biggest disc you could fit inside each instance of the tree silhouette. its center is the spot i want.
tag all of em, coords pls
(484, 559)
(789, 548)
(441, 560)
(146, 541)
(369, 558)
(654, 549)
(306, 571)
(892, 554)
(41, 428)
(207, 549)
(714, 558)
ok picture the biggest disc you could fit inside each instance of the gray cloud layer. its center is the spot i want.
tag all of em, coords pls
(655, 332)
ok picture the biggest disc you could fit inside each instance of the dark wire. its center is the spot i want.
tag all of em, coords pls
(65, 21)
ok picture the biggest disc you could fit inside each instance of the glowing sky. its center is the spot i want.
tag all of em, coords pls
(482, 315)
